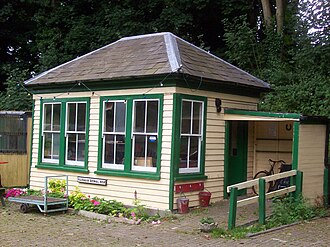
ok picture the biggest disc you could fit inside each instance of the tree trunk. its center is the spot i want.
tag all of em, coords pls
(279, 16)
(267, 12)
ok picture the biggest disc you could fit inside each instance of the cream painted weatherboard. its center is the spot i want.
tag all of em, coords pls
(311, 158)
(215, 142)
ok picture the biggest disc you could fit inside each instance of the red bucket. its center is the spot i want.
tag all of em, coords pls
(204, 198)
(183, 205)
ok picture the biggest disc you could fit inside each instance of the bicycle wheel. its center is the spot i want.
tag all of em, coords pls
(256, 187)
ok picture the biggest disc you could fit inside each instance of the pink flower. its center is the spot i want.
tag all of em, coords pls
(96, 203)
(133, 214)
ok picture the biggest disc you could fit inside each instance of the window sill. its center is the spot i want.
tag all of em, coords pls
(62, 168)
(188, 177)
(132, 174)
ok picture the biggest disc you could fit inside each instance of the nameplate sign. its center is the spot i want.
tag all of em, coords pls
(87, 180)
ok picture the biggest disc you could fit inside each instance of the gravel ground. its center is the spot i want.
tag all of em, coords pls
(58, 229)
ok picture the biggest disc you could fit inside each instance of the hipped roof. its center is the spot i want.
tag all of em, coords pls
(147, 55)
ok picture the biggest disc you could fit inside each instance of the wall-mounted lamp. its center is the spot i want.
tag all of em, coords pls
(218, 104)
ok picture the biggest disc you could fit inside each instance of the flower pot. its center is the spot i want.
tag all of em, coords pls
(207, 227)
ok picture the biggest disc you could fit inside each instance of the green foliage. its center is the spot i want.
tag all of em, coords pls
(15, 98)
(284, 211)
(207, 220)
(80, 201)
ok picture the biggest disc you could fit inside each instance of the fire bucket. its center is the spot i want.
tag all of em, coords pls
(204, 198)
(183, 205)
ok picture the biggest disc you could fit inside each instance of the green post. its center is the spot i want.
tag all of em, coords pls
(262, 201)
(232, 208)
(326, 187)
(299, 183)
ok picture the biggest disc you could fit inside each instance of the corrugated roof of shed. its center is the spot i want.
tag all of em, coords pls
(146, 55)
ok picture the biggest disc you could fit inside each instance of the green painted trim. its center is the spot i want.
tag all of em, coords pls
(61, 165)
(226, 161)
(189, 177)
(262, 114)
(128, 172)
(144, 175)
(177, 139)
(232, 208)
(295, 145)
(62, 168)
(175, 131)
(299, 184)
(31, 144)
(326, 187)
(262, 201)
(171, 80)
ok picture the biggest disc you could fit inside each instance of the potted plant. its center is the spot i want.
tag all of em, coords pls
(206, 224)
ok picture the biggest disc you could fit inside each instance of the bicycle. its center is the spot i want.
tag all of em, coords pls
(277, 184)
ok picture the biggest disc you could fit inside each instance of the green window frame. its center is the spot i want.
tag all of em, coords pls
(137, 153)
(64, 134)
(189, 134)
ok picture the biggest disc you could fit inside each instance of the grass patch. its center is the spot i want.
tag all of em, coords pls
(285, 211)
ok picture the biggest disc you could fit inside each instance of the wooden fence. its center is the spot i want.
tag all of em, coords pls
(15, 146)
(296, 187)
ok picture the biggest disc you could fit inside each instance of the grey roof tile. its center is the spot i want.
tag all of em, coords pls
(146, 55)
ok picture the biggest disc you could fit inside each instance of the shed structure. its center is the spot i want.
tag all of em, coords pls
(155, 116)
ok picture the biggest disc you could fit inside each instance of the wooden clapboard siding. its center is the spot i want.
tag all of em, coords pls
(215, 141)
(152, 193)
(273, 140)
(251, 151)
(311, 158)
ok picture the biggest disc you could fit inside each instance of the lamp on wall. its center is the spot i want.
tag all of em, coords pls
(218, 104)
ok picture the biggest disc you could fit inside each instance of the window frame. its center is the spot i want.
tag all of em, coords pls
(128, 171)
(184, 174)
(190, 135)
(76, 132)
(114, 133)
(62, 163)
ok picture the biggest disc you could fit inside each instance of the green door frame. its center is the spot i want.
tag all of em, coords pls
(227, 154)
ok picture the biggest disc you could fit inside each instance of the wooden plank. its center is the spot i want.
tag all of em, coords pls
(280, 175)
(253, 182)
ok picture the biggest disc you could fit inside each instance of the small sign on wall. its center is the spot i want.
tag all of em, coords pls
(88, 180)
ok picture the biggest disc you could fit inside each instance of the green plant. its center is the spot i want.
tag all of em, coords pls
(207, 220)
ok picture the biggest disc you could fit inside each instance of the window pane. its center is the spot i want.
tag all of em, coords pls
(109, 149)
(183, 152)
(152, 116)
(120, 116)
(139, 150)
(194, 150)
(81, 117)
(71, 117)
(71, 155)
(186, 117)
(109, 116)
(81, 147)
(151, 160)
(47, 145)
(120, 149)
(197, 117)
(47, 117)
(56, 146)
(56, 117)
(139, 116)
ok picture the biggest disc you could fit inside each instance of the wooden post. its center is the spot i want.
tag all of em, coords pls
(326, 187)
(232, 208)
(262, 201)
(299, 183)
